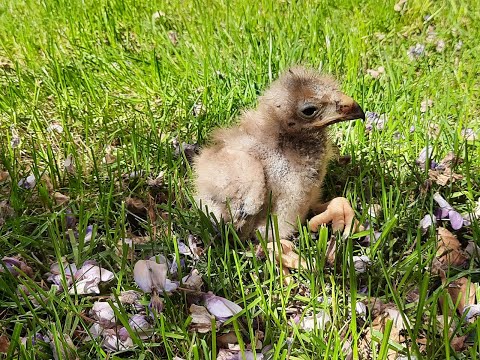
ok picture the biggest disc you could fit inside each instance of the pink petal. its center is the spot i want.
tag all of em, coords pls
(456, 220)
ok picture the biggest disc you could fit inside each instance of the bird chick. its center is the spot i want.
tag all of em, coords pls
(275, 159)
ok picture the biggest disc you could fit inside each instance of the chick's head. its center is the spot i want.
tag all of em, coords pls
(302, 99)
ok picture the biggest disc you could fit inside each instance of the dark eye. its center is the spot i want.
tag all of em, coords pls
(308, 110)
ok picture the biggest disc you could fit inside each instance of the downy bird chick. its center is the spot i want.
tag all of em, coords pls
(275, 159)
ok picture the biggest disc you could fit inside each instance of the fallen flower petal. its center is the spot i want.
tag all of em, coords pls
(224, 354)
(104, 314)
(361, 263)
(399, 5)
(16, 267)
(414, 52)
(472, 311)
(170, 286)
(88, 277)
(88, 236)
(150, 276)
(397, 318)
(141, 325)
(91, 270)
(441, 201)
(85, 286)
(427, 222)
(28, 182)
(96, 330)
(425, 154)
(440, 47)
(456, 220)
(55, 127)
(55, 276)
(112, 342)
(69, 165)
(425, 105)
(220, 307)
(318, 321)
(361, 309)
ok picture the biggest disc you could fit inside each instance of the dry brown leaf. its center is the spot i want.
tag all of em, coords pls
(193, 281)
(450, 160)
(60, 199)
(331, 251)
(4, 175)
(375, 306)
(6, 211)
(443, 174)
(135, 205)
(152, 215)
(229, 338)
(458, 342)
(4, 344)
(472, 250)
(461, 291)
(109, 157)
(443, 177)
(47, 182)
(201, 319)
(449, 249)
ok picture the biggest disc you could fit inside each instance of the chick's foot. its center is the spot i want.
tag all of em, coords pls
(285, 255)
(338, 212)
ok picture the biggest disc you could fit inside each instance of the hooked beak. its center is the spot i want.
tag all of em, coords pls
(347, 109)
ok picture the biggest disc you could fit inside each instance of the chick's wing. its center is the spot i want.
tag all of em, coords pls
(231, 184)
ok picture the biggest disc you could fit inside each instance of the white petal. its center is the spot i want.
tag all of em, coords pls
(316, 322)
(472, 311)
(112, 342)
(149, 275)
(85, 286)
(103, 312)
(361, 263)
(220, 307)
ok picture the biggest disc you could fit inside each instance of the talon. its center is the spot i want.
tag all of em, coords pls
(340, 214)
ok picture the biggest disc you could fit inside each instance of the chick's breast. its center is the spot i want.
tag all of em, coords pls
(230, 182)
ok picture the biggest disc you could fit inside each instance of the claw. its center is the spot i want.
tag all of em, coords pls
(340, 214)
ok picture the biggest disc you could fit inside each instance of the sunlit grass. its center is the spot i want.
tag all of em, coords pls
(111, 74)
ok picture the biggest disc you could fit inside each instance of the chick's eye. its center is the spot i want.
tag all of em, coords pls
(309, 110)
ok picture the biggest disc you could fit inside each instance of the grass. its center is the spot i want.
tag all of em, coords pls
(108, 72)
